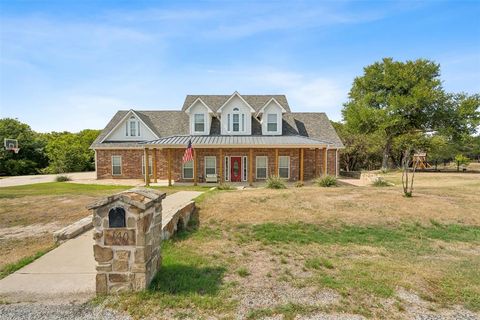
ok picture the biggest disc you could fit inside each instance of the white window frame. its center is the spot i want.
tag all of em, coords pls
(183, 170)
(195, 122)
(287, 167)
(205, 166)
(237, 123)
(121, 166)
(257, 167)
(272, 122)
(150, 165)
(132, 123)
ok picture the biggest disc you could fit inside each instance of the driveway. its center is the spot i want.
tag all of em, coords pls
(41, 178)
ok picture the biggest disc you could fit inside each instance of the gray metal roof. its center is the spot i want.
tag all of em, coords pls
(236, 141)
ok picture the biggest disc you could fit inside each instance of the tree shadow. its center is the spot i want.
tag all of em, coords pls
(181, 279)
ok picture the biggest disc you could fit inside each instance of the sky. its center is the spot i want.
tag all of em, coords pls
(70, 65)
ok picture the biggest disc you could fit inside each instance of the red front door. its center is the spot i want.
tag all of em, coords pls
(236, 169)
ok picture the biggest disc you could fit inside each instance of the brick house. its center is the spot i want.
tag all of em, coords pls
(236, 138)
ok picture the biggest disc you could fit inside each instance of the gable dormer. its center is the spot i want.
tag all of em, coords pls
(131, 128)
(200, 117)
(236, 116)
(271, 115)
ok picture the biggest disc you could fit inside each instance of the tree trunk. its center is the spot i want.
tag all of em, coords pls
(386, 153)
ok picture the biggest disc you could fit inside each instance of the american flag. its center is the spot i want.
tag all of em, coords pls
(188, 155)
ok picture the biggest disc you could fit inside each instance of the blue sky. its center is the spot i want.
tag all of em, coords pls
(69, 65)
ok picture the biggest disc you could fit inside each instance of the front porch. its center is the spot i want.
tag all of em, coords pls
(236, 166)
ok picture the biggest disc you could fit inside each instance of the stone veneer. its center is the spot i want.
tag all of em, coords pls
(128, 257)
(132, 162)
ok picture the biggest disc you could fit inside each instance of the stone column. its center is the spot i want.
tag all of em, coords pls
(127, 234)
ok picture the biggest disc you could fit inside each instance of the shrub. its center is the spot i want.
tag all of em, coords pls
(62, 178)
(327, 181)
(225, 186)
(299, 184)
(275, 182)
(380, 182)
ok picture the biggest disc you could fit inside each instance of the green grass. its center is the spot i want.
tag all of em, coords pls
(403, 236)
(57, 188)
(62, 188)
(243, 272)
(186, 280)
(318, 263)
(12, 267)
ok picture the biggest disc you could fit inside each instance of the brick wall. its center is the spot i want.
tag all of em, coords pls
(132, 162)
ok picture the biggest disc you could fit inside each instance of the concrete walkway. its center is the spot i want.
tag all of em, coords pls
(42, 178)
(67, 273)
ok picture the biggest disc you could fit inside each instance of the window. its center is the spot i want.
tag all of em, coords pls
(116, 165)
(132, 127)
(150, 166)
(284, 167)
(199, 119)
(236, 122)
(210, 165)
(261, 167)
(272, 122)
(188, 170)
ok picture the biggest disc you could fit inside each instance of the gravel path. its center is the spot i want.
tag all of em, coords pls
(57, 312)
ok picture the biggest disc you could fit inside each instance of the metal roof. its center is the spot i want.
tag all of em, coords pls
(237, 141)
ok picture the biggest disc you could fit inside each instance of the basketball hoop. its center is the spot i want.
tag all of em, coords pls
(11, 145)
(16, 150)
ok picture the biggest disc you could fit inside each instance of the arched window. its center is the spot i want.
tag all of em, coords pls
(236, 120)
(133, 127)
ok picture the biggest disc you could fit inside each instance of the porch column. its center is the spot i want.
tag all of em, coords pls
(316, 167)
(145, 162)
(221, 166)
(250, 167)
(169, 167)
(155, 165)
(325, 150)
(195, 167)
(276, 162)
(301, 164)
(337, 167)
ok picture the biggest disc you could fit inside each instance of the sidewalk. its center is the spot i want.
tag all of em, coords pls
(67, 273)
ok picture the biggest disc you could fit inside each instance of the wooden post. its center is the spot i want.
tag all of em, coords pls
(221, 166)
(276, 162)
(325, 150)
(155, 165)
(195, 167)
(169, 167)
(250, 168)
(301, 164)
(145, 162)
(317, 156)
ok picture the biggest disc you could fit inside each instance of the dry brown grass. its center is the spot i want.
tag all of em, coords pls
(444, 197)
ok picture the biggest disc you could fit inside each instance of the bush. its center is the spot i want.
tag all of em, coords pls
(380, 182)
(275, 182)
(299, 184)
(224, 186)
(62, 178)
(327, 181)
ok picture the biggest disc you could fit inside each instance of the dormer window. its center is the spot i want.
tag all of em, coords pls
(272, 122)
(132, 127)
(199, 125)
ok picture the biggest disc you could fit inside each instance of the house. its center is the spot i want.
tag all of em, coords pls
(236, 138)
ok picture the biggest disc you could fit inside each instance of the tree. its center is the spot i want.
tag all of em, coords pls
(31, 157)
(461, 160)
(395, 98)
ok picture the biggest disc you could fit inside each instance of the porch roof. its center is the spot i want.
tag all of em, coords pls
(210, 141)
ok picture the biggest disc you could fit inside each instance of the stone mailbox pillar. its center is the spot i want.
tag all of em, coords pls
(127, 234)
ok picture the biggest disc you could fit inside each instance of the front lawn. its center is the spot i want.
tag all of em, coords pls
(313, 251)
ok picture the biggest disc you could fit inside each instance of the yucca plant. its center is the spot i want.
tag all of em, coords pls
(275, 182)
(327, 181)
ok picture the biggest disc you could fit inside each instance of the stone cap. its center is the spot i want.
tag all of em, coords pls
(139, 197)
